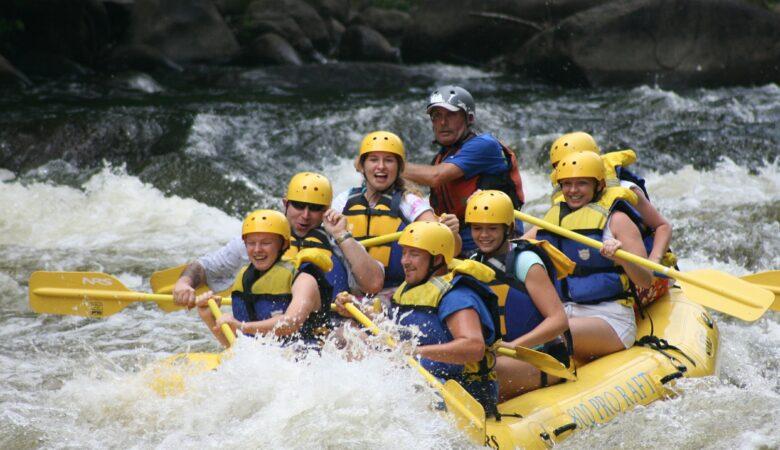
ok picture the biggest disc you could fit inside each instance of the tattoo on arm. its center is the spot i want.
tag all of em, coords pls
(195, 272)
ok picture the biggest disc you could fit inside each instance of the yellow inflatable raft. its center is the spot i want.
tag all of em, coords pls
(679, 339)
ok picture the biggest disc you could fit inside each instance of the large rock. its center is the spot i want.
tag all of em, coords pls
(139, 57)
(268, 13)
(336, 31)
(669, 42)
(336, 9)
(183, 30)
(10, 74)
(361, 43)
(270, 48)
(391, 23)
(475, 31)
(77, 30)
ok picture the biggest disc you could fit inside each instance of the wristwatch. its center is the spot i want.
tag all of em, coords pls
(344, 236)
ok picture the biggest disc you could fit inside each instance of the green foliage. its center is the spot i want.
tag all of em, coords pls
(9, 26)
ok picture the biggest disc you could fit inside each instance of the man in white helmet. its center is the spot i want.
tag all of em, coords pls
(466, 161)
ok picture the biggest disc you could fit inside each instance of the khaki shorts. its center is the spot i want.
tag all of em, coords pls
(619, 317)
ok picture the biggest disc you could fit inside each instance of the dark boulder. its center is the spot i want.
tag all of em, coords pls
(391, 23)
(282, 25)
(270, 48)
(336, 31)
(270, 13)
(475, 31)
(140, 57)
(232, 7)
(336, 9)
(668, 42)
(78, 30)
(49, 65)
(361, 43)
(183, 30)
(10, 74)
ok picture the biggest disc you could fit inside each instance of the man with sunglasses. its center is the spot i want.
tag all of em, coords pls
(313, 224)
(466, 161)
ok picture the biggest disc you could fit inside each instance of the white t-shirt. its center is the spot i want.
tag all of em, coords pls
(411, 205)
(222, 265)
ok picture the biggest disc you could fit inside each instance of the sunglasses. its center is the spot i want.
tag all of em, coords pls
(300, 206)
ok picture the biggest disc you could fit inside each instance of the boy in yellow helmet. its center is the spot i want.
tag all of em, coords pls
(273, 295)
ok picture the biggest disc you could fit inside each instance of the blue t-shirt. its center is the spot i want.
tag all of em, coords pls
(480, 155)
(462, 297)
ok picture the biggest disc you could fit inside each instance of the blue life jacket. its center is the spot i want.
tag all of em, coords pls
(596, 278)
(418, 306)
(518, 313)
(261, 295)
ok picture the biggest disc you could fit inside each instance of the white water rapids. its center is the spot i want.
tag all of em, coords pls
(70, 382)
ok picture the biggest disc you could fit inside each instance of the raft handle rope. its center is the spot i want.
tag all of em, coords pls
(671, 376)
(564, 428)
(660, 345)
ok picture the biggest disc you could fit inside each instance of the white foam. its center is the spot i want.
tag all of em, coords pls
(259, 398)
(113, 211)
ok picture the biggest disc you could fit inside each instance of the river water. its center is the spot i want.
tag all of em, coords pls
(131, 174)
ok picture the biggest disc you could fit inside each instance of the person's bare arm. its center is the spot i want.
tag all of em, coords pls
(305, 300)
(546, 300)
(467, 345)
(193, 276)
(368, 272)
(628, 237)
(433, 176)
(658, 223)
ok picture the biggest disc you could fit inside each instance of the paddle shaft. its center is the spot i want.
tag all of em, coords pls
(626, 256)
(366, 322)
(381, 240)
(226, 330)
(98, 294)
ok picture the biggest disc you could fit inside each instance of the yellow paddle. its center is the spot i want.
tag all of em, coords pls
(163, 281)
(469, 413)
(769, 280)
(89, 294)
(708, 287)
(541, 361)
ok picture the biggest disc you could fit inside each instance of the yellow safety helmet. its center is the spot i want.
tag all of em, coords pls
(490, 207)
(580, 164)
(382, 141)
(433, 237)
(267, 221)
(310, 187)
(569, 143)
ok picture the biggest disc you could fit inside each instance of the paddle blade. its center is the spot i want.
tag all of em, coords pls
(769, 280)
(79, 306)
(169, 376)
(726, 293)
(473, 424)
(544, 362)
(162, 281)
